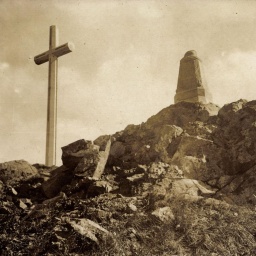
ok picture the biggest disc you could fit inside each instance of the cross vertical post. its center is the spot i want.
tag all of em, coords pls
(51, 134)
(52, 56)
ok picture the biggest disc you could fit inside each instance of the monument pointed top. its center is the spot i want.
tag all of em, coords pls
(190, 53)
(191, 83)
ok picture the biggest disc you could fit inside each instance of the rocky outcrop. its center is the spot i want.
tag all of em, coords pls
(165, 134)
(204, 142)
(193, 141)
(236, 134)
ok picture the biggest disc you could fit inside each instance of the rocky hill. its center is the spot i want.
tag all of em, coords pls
(182, 183)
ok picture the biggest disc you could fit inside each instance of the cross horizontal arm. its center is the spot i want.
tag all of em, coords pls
(58, 51)
(63, 49)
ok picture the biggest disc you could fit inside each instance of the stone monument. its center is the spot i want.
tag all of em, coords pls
(51, 56)
(191, 83)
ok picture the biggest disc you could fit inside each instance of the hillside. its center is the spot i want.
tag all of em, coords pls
(182, 183)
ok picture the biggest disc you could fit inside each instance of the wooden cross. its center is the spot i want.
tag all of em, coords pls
(52, 56)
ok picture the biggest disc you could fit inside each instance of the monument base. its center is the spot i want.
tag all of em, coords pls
(194, 95)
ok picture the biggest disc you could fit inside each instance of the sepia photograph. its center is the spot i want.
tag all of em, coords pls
(128, 127)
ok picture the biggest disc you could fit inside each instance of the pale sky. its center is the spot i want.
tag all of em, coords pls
(124, 68)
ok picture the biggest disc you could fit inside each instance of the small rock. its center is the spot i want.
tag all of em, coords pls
(27, 201)
(22, 205)
(14, 191)
(217, 203)
(100, 214)
(132, 207)
(87, 228)
(165, 214)
(136, 177)
(99, 187)
(5, 208)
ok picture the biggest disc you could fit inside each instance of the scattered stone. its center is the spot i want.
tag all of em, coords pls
(41, 210)
(87, 228)
(131, 207)
(14, 192)
(51, 202)
(22, 205)
(136, 177)
(99, 187)
(103, 215)
(165, 214)
(216, 203)
(190, 187)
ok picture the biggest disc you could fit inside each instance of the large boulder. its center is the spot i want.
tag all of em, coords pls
(85, 159)
(93, 163)
(73, 153)
(198, 158)
(14, 172)
(59, 178)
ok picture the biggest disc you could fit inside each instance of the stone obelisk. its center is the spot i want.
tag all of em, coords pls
(52, 56)
(191, 83)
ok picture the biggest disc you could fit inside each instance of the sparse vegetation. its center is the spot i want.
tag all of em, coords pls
(199, 228)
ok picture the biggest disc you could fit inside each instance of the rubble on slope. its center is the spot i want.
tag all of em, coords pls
(171, 185)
